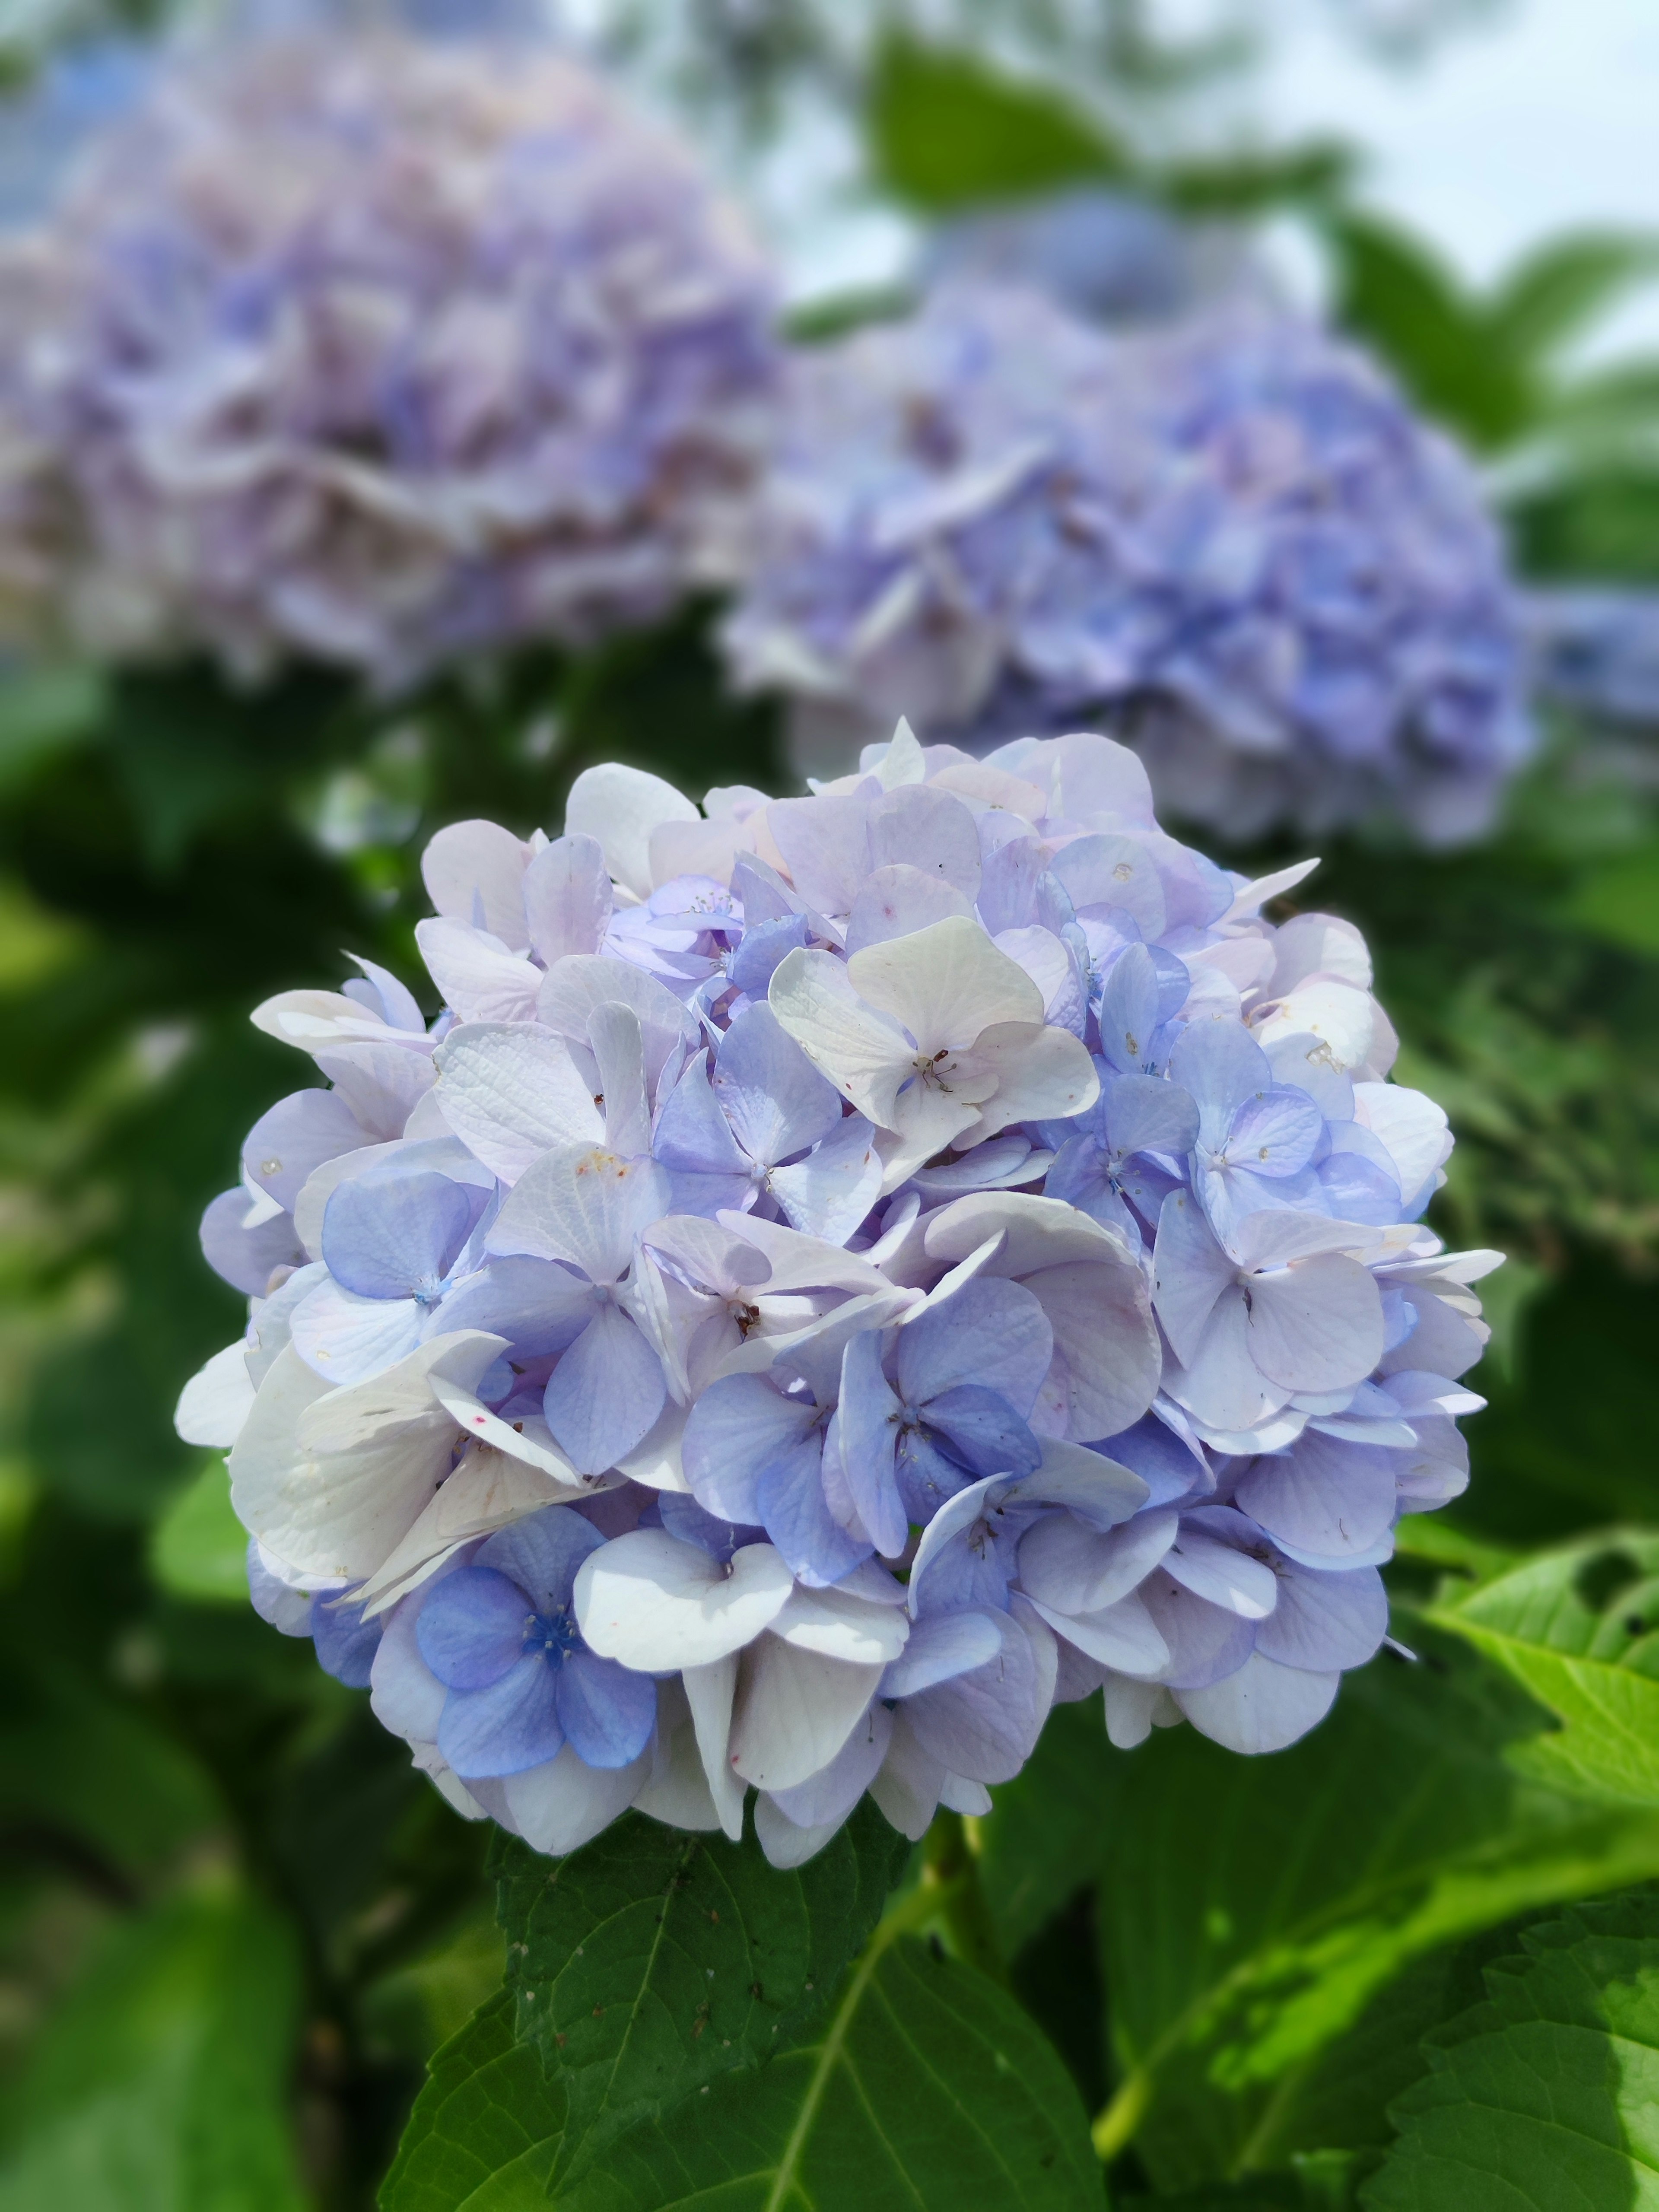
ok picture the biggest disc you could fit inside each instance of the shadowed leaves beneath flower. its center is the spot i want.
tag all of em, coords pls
(642, 1967)
(1321, 1873)
(923, 2085)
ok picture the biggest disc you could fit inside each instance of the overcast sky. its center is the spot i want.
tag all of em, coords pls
(1544, 117)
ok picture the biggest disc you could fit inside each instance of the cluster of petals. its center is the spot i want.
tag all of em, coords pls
(1596, 652)
(1229, 533)
(838, 1275)
(352, 346)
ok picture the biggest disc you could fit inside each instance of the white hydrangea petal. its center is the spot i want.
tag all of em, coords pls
(215, 1404)
(1041, 1075)
(946, 983)
(654, 1603)
(709, 1690)
(332, 1479)
(620, 807)
(482, 980)
(794, 1710)
(863, 1054)
(489, 1490)
(558, 1806)
(474, 873)
(583, 1205)
(839, 1626)
(347, 1338)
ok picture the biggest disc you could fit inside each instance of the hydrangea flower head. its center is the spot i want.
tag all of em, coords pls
(838, 1275)
(355, 347)
(1231, 532)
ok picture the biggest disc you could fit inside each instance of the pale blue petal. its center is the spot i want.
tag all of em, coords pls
(830, 1192)
(346, 1642)
(867, 1420)
(1275, 1133)
(538, 1305)
(1145, 1114)
(738, 1426)
(777, 1102)
(506, 1728)
(607, 1711)
(471, 1627)
(795, 1514)
(1128, 1008)
(1220, 1064)
(990, 1332)
(395, 1238)
(983, 1431)
(604, 1394)
(247, 1258)
(295, 1137)
(541, 1554)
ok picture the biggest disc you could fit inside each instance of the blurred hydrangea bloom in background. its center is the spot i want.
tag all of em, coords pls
(1111, 256)
(351, 346)
(1232, 531)
(839, 1275)
(1596, 651)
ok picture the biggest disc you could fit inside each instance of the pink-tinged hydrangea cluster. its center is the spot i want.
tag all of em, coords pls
(840, 1274)
(1230, 533)
(359, 348)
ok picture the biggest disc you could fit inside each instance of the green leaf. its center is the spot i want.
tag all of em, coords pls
(651, 1961)
(199, 1548)
(1579, 1629)
(1546, 2094)
(1620, 899)
(925, 2090)
(1394, 291)
(161, 2085)
(77, 1765)
(486, 2128)
(45, 711)
(1555, 292)
(1250, 1908)
(946, 131)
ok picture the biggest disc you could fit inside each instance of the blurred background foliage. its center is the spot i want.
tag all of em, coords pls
(233, 1925)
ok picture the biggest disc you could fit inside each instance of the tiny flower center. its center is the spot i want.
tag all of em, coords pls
(555, 1635)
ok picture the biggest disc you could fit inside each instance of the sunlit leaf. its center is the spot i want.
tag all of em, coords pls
(1546, 2095)
(199, 1548)
(1251, 1908)
(1579, 1629)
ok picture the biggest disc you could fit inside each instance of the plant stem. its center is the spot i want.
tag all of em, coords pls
(950, 1863)
(1115, 2126)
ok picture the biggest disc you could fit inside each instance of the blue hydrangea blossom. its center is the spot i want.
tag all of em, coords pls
(351, 346)
(1231, 531)
(838, 1275)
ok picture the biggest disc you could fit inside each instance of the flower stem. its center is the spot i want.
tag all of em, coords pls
(950, 1863)
(1116, 2124)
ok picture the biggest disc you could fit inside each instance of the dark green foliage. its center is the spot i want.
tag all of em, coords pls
(921, 2085)
(945, 131)
(651, 1962)
(162, 2084)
